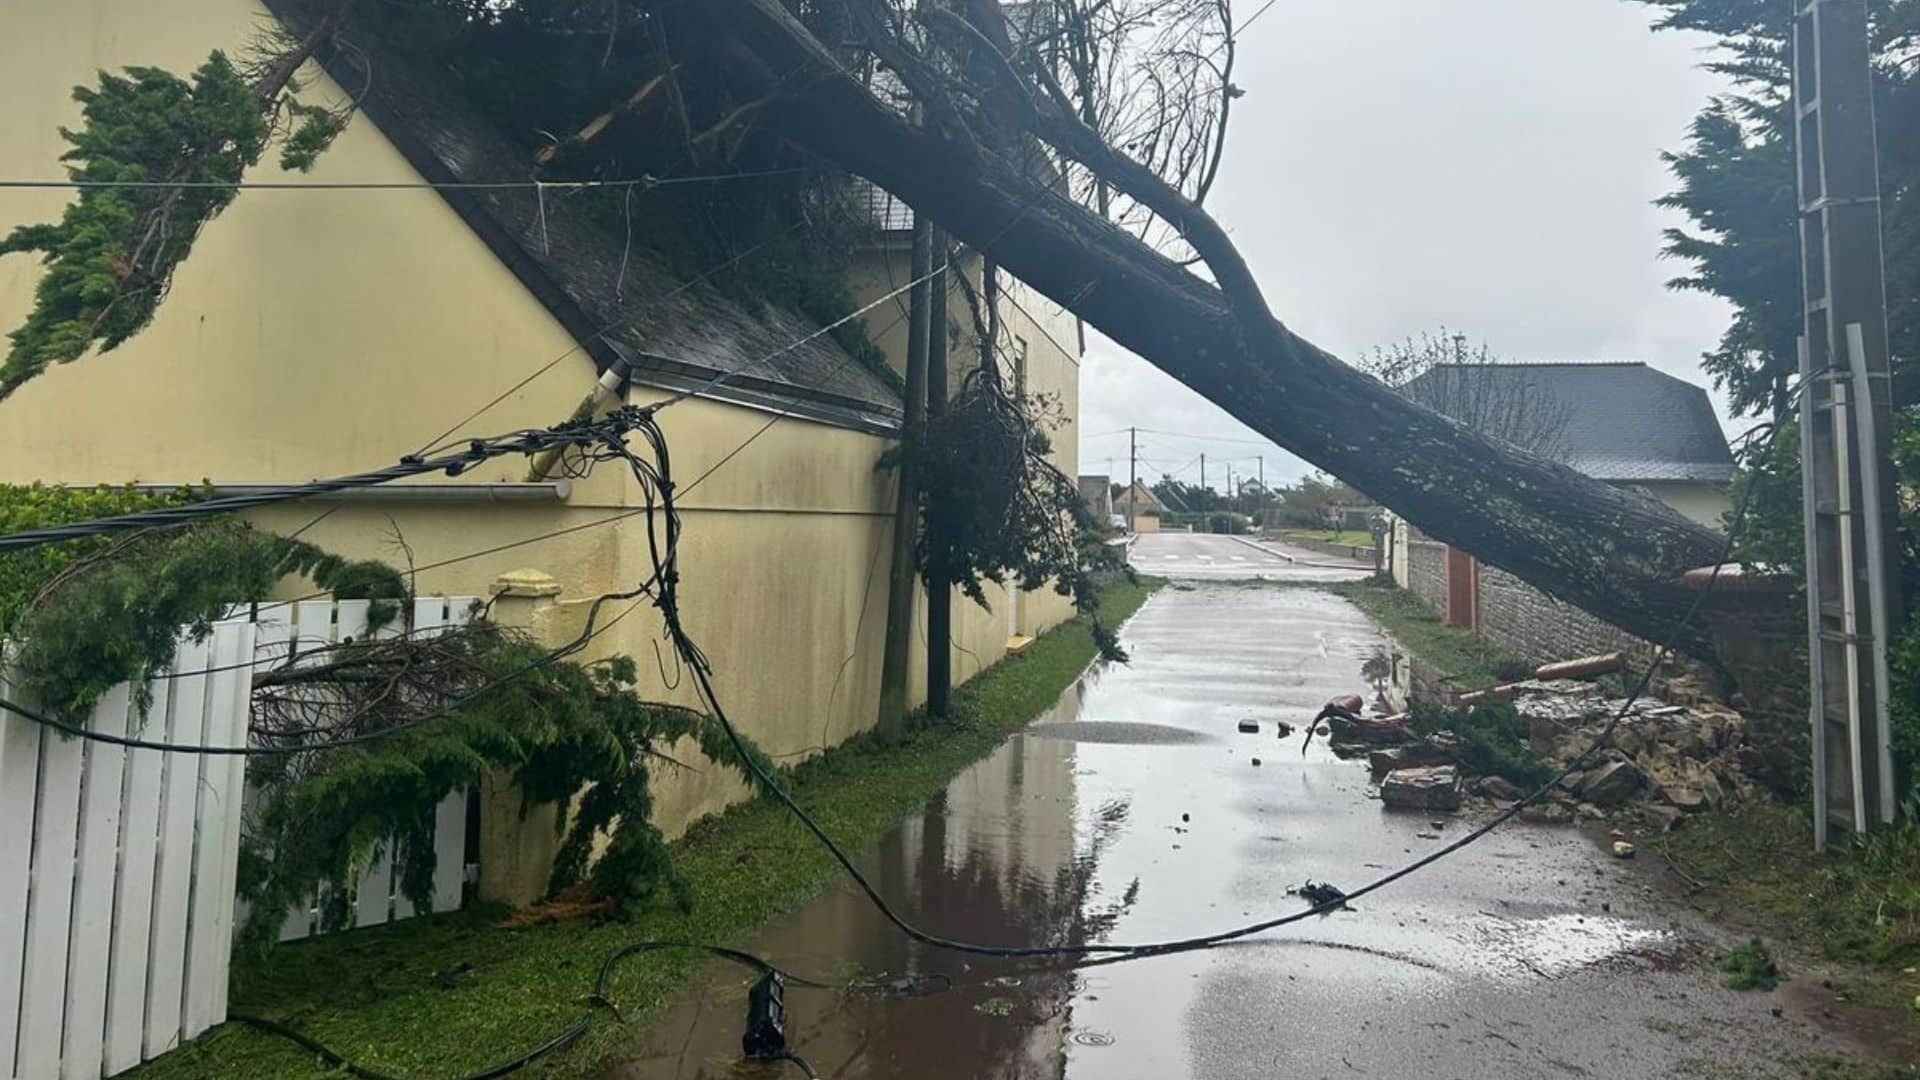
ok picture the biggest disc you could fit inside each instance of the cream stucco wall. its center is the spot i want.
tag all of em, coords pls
(317, 333)
(1706, 504)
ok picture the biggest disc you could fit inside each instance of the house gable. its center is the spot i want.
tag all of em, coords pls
(309, 333)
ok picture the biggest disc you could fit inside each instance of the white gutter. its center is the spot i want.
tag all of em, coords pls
(500, 492)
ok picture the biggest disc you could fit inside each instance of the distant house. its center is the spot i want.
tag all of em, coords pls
(1623, 423)
(1096, 490)
(1141, 505)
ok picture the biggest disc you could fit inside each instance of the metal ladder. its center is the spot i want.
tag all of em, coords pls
(1846, 420)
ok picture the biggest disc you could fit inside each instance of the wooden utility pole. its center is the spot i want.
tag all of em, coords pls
(1846, 420)
(939, 596)
(1133, 472)
(894, 660)
(990, 345)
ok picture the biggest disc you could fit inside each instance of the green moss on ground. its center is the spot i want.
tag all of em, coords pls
(1469, 661)
(1749, 966)
(1835, 1069)
(443, 996)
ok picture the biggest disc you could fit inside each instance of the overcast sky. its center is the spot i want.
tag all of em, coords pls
(1399, 164)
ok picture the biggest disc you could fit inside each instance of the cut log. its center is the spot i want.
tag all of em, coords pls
(1474, 697)
(1586, 667)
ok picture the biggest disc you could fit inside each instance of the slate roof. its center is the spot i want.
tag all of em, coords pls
(672, 339)
(1626, 422)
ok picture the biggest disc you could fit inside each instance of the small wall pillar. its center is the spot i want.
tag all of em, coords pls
(518, 844)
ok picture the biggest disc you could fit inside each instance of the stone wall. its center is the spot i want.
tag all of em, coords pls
(1520, 619)
(1426, 573)
(1529, 624)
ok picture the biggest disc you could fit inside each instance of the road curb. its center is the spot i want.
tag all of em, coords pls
(1352, 564)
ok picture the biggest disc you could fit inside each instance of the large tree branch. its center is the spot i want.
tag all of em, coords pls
(1053, 119)
(1610, 551)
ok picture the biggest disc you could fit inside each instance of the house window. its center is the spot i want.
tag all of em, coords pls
(1020, 365)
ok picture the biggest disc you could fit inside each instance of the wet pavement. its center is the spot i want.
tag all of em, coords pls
(1209, 557)
(1135, 811)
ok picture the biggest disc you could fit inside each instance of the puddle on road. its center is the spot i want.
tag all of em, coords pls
(1118, 732)
(1008, 855)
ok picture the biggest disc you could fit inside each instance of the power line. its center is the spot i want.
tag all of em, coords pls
(531, 441)
(662, 586)
(642, 182)
(1182, 435)
(1253, 18)
(1119, 952)
(609, 433)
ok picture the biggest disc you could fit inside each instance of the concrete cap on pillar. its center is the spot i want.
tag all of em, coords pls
(525, 582)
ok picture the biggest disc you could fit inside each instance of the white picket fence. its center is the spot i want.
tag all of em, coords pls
(377, 898)
(118, 866)
(117, 871)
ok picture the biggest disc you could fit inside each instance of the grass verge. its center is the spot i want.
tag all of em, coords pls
(450, 995)
(1465, 659)
(1346, 537)
(1859, 905)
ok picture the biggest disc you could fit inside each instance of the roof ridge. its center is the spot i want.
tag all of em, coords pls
(1551, 363)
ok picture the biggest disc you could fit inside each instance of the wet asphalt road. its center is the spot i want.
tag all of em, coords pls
(1135, 812)
(1206, 557)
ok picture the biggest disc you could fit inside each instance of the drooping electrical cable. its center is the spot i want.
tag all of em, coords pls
(596, 438)
(642, 182)
(529, 441)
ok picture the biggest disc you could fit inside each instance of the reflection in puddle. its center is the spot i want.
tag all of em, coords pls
(1396, 677)
(1001, 856)
(1120, 732)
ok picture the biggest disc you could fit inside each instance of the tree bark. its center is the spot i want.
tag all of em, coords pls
(1610, 551)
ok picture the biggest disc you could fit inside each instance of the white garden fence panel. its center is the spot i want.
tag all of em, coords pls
(118, 866)
(116, 870)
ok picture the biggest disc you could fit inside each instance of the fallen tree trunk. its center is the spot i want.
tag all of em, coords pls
(1610, 551)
